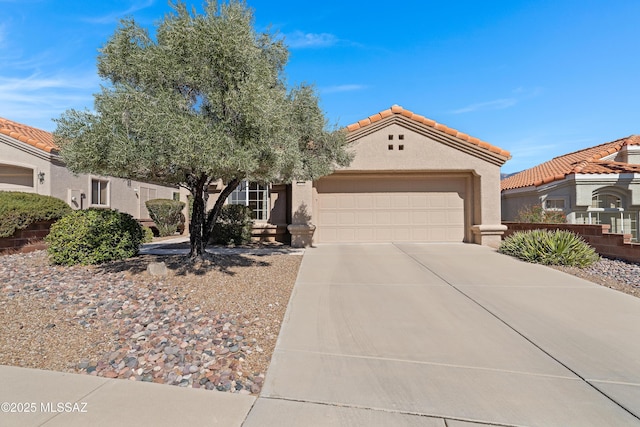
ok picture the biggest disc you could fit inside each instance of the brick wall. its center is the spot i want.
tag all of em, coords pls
(27, 240)
(606, 244)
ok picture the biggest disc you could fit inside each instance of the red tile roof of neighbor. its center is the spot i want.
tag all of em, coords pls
(38, 138)
(582, 161)
(396, 109)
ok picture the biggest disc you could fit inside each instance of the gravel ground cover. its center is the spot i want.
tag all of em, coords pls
(615, 274)
(211, 324)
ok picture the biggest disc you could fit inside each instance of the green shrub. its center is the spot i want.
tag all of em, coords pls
(167, 214)
(233, 226)
(549, 247)
(94, 236)
(148, 234)
(19, 210)
(538, 215)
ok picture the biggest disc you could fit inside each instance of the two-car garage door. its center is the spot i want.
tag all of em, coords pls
(390, 208)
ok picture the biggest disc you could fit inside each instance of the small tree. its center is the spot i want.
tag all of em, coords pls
(204, 100)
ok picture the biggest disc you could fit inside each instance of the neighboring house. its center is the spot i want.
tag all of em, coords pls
(597, 185)
(30, 162)
(412, 180)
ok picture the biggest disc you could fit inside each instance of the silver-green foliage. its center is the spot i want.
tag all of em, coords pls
(166, 214)
(202, 100)
(549, 247)
(233, 226)
(94, 236)
(19, 210)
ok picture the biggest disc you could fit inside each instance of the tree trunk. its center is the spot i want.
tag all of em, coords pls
(198, 220)
(217, 207)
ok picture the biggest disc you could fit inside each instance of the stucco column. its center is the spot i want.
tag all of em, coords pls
(488, 230)
(301, 227)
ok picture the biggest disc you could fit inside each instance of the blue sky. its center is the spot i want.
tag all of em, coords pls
(537, 78)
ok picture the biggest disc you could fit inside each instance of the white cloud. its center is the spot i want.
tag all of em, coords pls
(496, 104)
(36, 99)
(300, 40)
(116, 16)
(519, 94)
(343, 88)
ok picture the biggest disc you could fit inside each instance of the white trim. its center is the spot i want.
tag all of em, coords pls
(99, 179)
(606, 176)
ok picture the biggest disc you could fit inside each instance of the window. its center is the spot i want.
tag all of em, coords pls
(554, 204)
(16, 175)
(99, 192)
(606, 201)
(253, 195)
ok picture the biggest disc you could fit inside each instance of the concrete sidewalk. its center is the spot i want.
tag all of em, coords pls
(450, 335)
(46, 398)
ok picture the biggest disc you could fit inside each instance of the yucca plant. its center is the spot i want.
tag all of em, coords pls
(549, 247)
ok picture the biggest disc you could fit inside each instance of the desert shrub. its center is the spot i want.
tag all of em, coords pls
(233, 226)
(94, 236)
(167, 214)
(549, 247)
(537, 214)
(148, 234)
(19, 210)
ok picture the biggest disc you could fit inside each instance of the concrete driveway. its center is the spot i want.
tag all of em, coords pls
(449, 335)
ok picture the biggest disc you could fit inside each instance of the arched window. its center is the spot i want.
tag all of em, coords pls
(606, 201)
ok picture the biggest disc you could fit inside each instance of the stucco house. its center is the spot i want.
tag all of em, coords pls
(411, 180)
(30, 162)
(596, 185)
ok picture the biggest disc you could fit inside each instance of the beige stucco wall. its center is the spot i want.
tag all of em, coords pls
(19, 154)
(59, 182)
(422, 150)
(576, 191)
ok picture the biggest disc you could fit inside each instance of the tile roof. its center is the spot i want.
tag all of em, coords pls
(396, 109)
(588, 160)
(37, 138)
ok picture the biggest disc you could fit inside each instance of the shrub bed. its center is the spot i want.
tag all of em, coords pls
(233, 226)
(166, 214)
(18, 210)
(94, 236)
(549, 247)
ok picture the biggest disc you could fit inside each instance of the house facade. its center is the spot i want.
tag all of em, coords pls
(30, 162)
(596, 185)
(411, 180)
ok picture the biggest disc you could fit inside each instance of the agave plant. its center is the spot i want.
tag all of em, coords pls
(549, 247)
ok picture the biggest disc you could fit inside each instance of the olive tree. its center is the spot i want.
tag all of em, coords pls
(204, 99)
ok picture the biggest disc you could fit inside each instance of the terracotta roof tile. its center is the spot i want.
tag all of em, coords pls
(396, 109)
(37, 138)
(587, 160)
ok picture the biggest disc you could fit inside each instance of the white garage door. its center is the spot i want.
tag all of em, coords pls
(390, 209)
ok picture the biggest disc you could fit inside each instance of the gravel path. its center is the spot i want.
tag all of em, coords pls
(209, 325)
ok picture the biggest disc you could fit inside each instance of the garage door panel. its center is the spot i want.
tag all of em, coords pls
(382, 201)
(328, 218)
(346, 218)
(401, 201)
(365, 218)
(365, 201)
(384, 209)
(346, 201)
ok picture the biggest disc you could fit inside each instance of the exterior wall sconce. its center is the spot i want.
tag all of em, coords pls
(41, 177)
